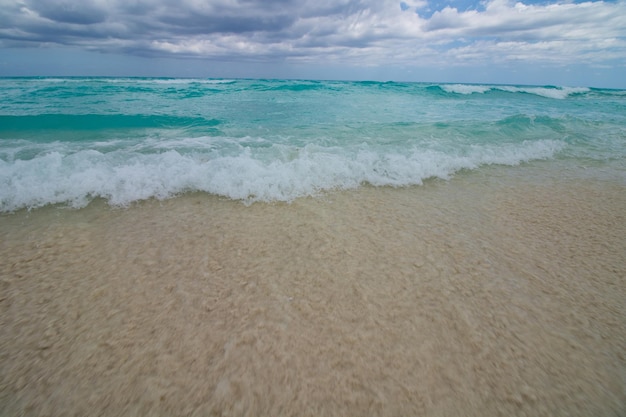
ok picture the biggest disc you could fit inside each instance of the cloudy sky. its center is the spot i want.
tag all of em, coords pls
(496, 41)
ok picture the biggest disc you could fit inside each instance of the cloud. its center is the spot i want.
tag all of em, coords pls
(68, 11)
(367, 32)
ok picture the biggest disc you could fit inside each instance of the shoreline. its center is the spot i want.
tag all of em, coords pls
(483, 295)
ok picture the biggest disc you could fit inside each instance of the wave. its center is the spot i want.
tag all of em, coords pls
(123, 177)
(203, 86)
(548, 92)
(123, 80)
(465, 88)
(295, 85)
(190, 81)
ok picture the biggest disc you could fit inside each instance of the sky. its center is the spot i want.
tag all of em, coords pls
(568, 43)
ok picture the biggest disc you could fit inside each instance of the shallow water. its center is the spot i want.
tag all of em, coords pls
(499, 292)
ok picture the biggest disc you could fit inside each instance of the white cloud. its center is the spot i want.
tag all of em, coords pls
(367, 31)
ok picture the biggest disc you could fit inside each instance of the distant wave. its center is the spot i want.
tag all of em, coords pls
(465, 88)
(122, 80)
(191, 81)
(553, 92)
(548, 92)
(296, 85)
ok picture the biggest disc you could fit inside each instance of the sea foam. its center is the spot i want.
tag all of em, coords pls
(125, 177)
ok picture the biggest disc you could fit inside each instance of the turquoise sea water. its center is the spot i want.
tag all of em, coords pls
(70, 140)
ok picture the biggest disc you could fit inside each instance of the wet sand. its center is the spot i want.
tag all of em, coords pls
(485, 295)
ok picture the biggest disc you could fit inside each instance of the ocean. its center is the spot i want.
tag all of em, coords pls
(311, 248)
(70, 140)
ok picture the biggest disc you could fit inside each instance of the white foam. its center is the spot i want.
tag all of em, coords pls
(465, 88)
(559, 93)
(123, 177)
(548, 92)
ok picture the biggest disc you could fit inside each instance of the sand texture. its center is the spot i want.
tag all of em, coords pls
(475, 297)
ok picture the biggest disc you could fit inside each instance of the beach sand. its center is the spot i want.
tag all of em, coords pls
(493, 293)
